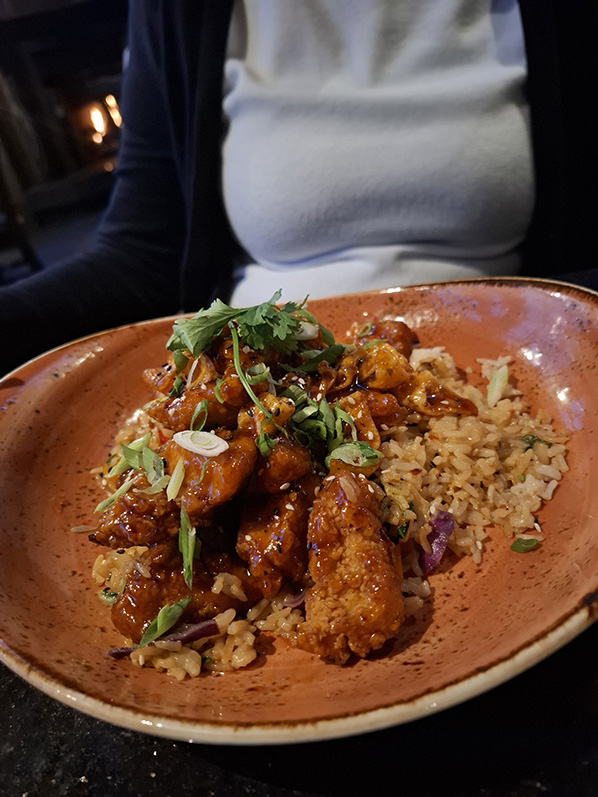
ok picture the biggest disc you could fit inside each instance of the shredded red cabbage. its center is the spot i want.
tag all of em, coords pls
(443, 525)
(294, 601)
(187, 634)
(193, 632)
(120, 653)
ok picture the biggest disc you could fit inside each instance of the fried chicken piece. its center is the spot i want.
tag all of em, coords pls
(286, 464)
(137, 519)
(378, 366)
(273, 534)
(176, 413)
(355, 604)
(143, 597)
(356, 406)
(424, 393)
(397, 333)
(210, 482)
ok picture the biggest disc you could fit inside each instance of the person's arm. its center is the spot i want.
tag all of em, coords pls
(132, 271)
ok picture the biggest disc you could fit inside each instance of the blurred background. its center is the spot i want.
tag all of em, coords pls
(60, 68)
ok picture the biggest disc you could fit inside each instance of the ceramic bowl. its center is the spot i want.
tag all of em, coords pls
(58, 416)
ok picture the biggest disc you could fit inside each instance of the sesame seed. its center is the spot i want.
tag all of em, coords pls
(370, 435)
(285, 486)
(290, 507)
(360, 413)
(370, 488)
(248, 537)
(319, 397)
(351, 400)
(384, 427)
(478, 545)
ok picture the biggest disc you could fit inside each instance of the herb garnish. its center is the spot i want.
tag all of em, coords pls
(264, 326)
(357, 454)
(112, 499)
(202, 408)
(530, 439)
(522, 545)
(187, 539)
(167, 617)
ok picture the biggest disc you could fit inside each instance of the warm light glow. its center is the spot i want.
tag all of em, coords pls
(98, 121)
(113, 110)
(97, 138)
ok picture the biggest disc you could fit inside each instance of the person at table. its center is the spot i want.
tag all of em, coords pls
(324, 147)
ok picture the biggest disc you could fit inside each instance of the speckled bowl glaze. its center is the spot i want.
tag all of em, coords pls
(58, 415)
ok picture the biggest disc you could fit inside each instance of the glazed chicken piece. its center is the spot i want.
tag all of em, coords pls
(286, 464)
(273, 534)
(379, 366)
(137, 519)
(253, 421)
(355, 604)
(423, 393)
(176, 413)
(210, 482)
(398, 334)
(143, 598)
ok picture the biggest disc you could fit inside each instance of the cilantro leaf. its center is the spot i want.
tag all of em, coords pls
(195, 334)
(263, 326)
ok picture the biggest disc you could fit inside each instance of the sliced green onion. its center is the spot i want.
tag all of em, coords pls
(107, 597)
(207, 444)
(497, 385)
(327, 415)
(296, 394)
(167, 617)
(156, 487)
(177, 387)
(153, 465)
(187, 546)
(523, 545)
(358, 454)
(306, 412)
(103, 505)
(124, 461)
(176, 479)
(202, 407)
(217, 393)
(341, 416)
(365, 329)
(265, 442)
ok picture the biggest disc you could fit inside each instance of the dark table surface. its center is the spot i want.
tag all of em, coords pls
(535, 735)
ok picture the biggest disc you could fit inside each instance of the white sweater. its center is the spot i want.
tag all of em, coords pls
(374, 143)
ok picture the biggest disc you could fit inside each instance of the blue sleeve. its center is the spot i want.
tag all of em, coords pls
(131, 272)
